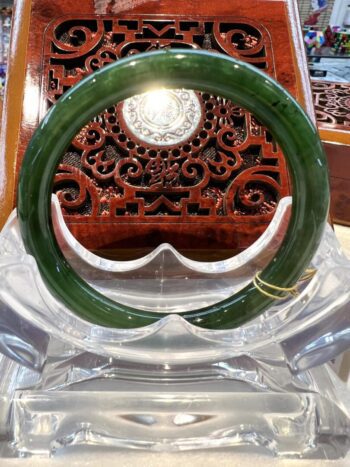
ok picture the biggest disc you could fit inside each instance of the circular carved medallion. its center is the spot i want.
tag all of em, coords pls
(163, 117)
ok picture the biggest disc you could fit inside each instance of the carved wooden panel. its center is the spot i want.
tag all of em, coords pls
(228, 169)
(215, 190)
(75, 47)
(332, 104)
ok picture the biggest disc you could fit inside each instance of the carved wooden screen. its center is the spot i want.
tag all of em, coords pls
(217, 189)
(332, 104)
(332, 107)
(210, 189)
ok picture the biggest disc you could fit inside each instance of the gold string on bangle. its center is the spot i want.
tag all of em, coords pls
(258, 283)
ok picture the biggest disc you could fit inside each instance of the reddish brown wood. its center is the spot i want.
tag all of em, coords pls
(339, 167)
(241, 174)
(227, 171)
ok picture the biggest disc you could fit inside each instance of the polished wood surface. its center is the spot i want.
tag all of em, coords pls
(13, 104)
(68, 41)
(339, 167)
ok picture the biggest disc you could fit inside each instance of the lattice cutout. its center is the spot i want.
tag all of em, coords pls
(332, 104)
(229, 168)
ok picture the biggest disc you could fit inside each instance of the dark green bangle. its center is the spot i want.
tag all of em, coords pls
(213, 73)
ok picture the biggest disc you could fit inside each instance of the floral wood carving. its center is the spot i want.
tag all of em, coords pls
(229, 168)
(332, 104)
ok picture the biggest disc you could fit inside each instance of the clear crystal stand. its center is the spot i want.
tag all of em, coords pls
(171, 386)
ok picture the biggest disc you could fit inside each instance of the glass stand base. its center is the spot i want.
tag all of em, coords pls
(302, 424)
(68, 385)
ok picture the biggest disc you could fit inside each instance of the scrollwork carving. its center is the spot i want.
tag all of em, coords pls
(332, 104)
(71, 39)
(227, 167)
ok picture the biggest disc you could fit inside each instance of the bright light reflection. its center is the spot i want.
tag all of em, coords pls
(160, 108)
(163, 116)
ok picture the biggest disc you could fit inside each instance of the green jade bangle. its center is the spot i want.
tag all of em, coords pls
(213, 73)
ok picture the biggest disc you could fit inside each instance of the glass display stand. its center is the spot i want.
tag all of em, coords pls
(172, 386)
